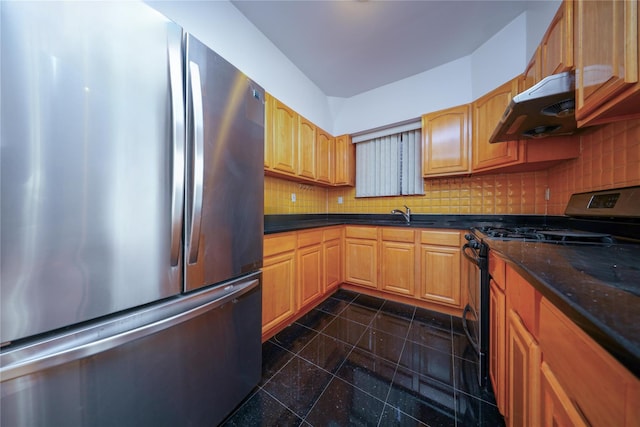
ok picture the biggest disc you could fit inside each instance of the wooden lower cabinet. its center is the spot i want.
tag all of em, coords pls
(278, 281)
(440, 279)
(523, 375)
(440, 267)
(598, 388)
(497, 344)
(361, 256)
(332, 259)
(310, 274)
(398, 261)
(557, 408)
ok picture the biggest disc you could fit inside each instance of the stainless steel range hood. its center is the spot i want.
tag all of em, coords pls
(546, 109)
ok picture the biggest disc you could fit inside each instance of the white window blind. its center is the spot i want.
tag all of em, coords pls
(390, 165)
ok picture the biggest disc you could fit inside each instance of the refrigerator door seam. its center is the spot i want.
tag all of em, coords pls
(178, 137)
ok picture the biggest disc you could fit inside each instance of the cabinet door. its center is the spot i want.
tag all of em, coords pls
(278, 296)
(440, 274)
(284, 140)
(332, 265)
(497, 346)
(361, 262)
(487, 112)
(344, 159)
(398, 267)
(306, 148)
(607, 58)
(445, 141)
(310, 274)
(324, 156)
(556, 47)
(523, 375)
(557, 408)
(532, 73)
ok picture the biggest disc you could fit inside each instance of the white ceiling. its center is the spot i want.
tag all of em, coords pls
(349, 47)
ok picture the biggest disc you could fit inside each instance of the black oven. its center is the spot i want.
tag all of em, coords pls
(475, 318)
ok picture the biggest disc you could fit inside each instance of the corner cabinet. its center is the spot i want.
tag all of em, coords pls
(345, 161)
(325, 154)
(446, 136)
(487, 112)
(607, 61)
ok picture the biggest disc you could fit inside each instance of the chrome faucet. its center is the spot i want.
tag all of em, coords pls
(406, 215)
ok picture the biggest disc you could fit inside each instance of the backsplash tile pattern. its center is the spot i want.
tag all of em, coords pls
(310, 199)
(610, 157)
(519, 193)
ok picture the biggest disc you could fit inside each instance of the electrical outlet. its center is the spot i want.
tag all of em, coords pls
(339, 200)
(547, 194)
(293, 197)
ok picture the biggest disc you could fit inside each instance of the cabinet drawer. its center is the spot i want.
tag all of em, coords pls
(278, 243)
(306, 238)
(362, 232)
(442, 238)
(398, 235)
(602, 390)
(332, 233)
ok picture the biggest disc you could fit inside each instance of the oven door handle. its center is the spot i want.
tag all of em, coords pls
(474, 344)
(473, 258)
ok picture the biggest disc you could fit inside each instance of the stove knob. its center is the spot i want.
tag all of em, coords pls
(468, 236)
(474, 244)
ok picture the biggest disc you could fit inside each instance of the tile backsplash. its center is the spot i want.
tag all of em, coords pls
(610, 157)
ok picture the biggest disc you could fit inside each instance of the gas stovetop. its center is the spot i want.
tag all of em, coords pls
(543, 234)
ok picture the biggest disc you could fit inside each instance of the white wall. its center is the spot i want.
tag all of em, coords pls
(500, 58)
(441, 87)
(539, 16)
(223, 28)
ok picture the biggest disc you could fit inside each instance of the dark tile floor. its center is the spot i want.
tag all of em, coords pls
(356, 360)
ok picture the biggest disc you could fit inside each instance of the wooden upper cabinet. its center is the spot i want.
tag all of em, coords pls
(487, 112)
(306, 148)
(446, 142)
(556, 48)
(606, 35)
(282, 145)
(532, 74)
(324, 156)
(344, 161)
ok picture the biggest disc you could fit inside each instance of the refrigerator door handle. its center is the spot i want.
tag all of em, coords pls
(177, 136)
(198, 161)
(28, 365)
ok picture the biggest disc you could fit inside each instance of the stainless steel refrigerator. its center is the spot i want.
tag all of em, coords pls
(131, 221)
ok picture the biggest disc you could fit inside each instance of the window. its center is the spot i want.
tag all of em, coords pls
(389, 165)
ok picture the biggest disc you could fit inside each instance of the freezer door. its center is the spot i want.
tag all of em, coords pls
(90, 207)
(225, 140)
(190, 366)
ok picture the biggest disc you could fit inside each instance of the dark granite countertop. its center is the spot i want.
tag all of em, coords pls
(282, 223)
(597, 287)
